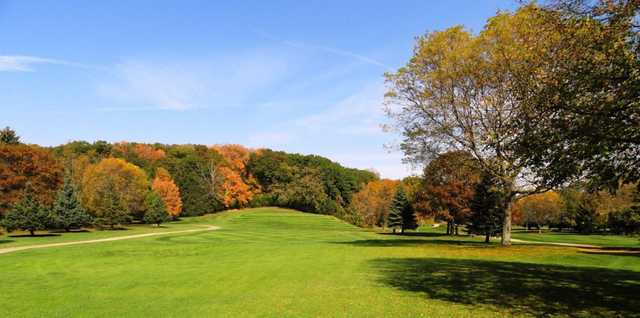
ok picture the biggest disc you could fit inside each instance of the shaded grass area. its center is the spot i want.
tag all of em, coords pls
(524, 288)
(272, 262)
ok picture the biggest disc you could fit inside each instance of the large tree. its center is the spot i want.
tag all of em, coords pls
(457, 94)
(582, 99)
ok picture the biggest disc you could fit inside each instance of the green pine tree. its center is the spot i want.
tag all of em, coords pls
(27, 215)
(112, 210)
(156, 210)
(399, 209)
(9, 136)
(67, 211)
(486, 210)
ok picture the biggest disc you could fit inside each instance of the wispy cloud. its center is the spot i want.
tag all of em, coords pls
(331, 50)
(182, 85)
(26, 63)
(360, 113)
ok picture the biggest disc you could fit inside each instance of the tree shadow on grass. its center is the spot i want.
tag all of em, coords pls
(413, 242)
(35, 235)
(5, 241)
(415, 234)
(520, 288)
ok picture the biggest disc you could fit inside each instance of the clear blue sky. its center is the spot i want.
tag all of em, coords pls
(299, 76)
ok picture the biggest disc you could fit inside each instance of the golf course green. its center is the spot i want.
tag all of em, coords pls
(272, 262)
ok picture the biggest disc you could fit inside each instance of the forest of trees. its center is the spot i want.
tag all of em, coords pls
(80, 183)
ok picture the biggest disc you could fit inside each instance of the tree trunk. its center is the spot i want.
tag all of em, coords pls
(31, 232)
(394, 230)
(487, 235)
(506, 224)
(457, 233)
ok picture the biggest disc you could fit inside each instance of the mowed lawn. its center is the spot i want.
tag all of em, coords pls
(272, 262)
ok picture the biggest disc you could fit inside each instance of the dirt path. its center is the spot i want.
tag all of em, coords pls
(109, 239)
(557, 244)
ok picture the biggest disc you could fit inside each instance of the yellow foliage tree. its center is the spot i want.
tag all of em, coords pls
(538, 209)
(167, 189)
(373, 201)
(129, 181)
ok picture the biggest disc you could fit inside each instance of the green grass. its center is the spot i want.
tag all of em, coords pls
(277, 263)
(593, 239)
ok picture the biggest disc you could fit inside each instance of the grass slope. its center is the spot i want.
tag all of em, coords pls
(272, 262)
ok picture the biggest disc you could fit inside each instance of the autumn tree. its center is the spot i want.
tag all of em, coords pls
(27, 215)
(539, 209)
(21, 164)
(67, 212)
(128, 180)
(457, 94)
(238, 186)
(9, 136)
(156, 211)
(164, 185)
(582, 118)
(373, 201)
(448, 186)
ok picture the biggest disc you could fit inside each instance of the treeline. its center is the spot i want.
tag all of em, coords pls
(454, 190)
(109, 184)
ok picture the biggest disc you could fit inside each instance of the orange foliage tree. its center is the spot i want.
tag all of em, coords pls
(238, 187)
(129, 180)
(449, 186)
(373, 201)
(23, 164)
(167, 189)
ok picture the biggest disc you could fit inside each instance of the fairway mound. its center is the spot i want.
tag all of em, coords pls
(109, 239)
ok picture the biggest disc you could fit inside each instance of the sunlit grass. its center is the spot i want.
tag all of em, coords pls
(277, 263)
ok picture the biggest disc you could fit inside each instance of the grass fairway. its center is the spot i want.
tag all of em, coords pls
(272, 262)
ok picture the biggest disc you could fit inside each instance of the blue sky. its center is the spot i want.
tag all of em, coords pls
(299, 76)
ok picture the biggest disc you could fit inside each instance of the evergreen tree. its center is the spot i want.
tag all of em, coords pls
(27, 215)
(9, 136)
(112, 210)
(487, 212)
(68, 213)
(399, 210)
(156, 211)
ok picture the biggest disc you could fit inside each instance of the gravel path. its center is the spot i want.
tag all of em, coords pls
(109, 239)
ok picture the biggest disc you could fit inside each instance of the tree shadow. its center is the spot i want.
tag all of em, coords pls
(5, 241)
(35, 235)
(520, 288)
(620, 252)
(71, 231)
(415, 234)
(414, 242)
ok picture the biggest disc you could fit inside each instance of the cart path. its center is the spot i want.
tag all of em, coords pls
(557, 244)
(109, 239)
